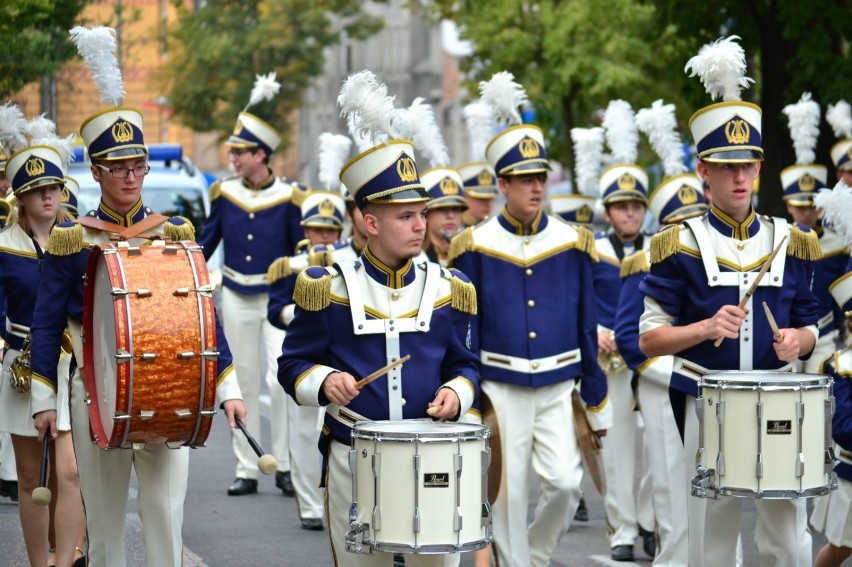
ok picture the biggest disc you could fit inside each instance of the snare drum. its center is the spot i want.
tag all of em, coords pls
(149, 344)
(764, 434)
(419, 487)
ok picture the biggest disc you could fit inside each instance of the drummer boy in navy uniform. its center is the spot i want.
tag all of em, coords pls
(358, 316)
(119, 164)
(699, 272)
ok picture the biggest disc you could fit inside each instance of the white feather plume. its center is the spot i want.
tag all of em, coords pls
(13, 127)
(362, 97)
(39, 128)
(659, 123)
(265, 87)
(836, 204)
(803, 120)
(840, 117)
(42, 131)
(505, 96)
(588, 157)
(721, 66)
(479, 119)
(333, 151)
(417, 122)
(622, 137)
(361, 138)
(97, 46)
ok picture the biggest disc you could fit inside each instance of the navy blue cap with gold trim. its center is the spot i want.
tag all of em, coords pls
(620, 183)
(384, 174)
(34, 167)
(444, 185)
(478, 180)
(678, 198)
(802, 182)
(114, 134)
(518, 150)
(251, 132)
(728, 132)
(323, 209)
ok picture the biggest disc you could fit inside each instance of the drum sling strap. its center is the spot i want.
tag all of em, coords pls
(135, 230)
(740, 280)
(391, 328)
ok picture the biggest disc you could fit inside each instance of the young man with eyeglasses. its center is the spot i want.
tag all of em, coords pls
(255, 218)
(119, 163)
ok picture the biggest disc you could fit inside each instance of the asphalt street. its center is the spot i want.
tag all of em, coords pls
(263, 529)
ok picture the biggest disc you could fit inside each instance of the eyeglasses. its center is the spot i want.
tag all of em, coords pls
(122, 172)
(241, 151)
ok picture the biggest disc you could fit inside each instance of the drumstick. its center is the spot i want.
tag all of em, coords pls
(776, 334)
(756, 281)
(381, 372)
(265, 462)
(41, 495)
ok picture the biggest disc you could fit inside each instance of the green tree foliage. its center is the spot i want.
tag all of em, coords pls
(216, 51)
(575, 55)
(35, 39)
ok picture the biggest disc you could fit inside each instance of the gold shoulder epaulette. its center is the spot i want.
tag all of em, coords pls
(177, 231)
(464, 294)
(278, 270)
(804, 245)
(65, 239)
(312, 294)
(461, 243)
(299, 192)
(636, 263)
(215, 190)
(320, 256)
(586, 241)
(665, 243)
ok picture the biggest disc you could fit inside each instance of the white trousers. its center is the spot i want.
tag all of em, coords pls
(536, 428)
(626, 509)
(254, 341)
(338, 499)
(824, 348)
(162, 474)
(668, 468)
(306, 466)
(7, 458)
(781, 534)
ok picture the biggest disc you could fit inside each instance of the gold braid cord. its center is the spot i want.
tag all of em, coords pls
(65, 240)
(312, 294)
(461, 243)
(215, 190)
(586, 242)
(278, 270)
(464, 296)
(178, 232)
(636, 263)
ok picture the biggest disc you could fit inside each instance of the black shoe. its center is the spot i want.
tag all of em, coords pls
(285, 483)
(312, 524)
(649, 542)
(243, 486)
(582, 513)
(622, 553)
(398, 560)
(80, 562)
(9, 489)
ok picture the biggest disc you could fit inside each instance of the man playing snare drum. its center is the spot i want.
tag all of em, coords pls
(119, 164)
(355, 317)
(700, 270)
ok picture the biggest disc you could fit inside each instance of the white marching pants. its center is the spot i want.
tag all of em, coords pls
(7, 458)
(536, 428)
(781, 534)
(338, 497)
(162, 474)
(668, 468)
(253, 340)
(306, 466)
(626, 509)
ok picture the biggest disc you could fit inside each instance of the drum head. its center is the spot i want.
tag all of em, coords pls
(411, 428)
(763, 377)
(103, 346)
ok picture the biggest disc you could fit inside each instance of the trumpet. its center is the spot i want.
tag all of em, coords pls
(611, 362)
(20, 371)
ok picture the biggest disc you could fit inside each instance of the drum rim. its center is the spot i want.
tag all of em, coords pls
(774, 378)
(455, 430)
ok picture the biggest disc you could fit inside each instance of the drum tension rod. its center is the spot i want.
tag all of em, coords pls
(207, 354)
(119, 293)
(124, 356)
(206, 289)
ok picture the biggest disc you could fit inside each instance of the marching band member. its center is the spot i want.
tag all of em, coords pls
(356, 316)
(677, 198)
(119, 163)
(839, 116)
(478, 179)
(535, 340)
(801, 182)
(37, 179)
(255, 217)
(831, 513)
(699, 272)
(444, 211)
(322, 219)
(582, 206)
(623, 190)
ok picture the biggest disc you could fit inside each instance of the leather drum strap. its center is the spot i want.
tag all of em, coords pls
(125, 232)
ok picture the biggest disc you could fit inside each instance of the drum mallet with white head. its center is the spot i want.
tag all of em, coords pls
(265, 462)
(41, 495)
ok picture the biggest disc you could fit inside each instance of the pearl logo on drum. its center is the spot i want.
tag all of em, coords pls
(779, 427)
(436, 480)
